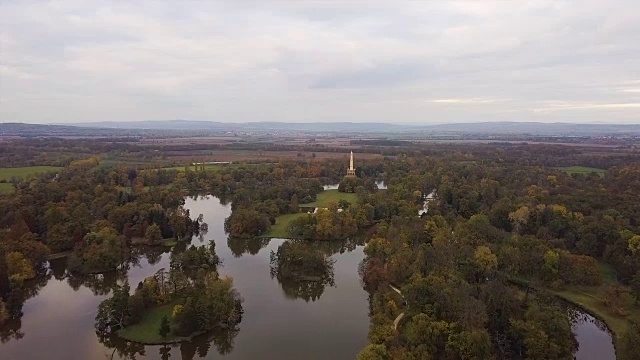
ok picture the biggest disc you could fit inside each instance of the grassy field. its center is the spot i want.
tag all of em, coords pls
(146, 331)
(214, 167)
(6, 188)
(22, 172)
(328, 196)
(279, 230)
(582, 170)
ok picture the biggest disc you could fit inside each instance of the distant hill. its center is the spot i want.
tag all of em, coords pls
(531, 128)
(193, 127)
(534, 128)
(158, 125)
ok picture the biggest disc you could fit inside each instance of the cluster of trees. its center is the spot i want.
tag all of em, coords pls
(491, 224)
(94, 211)
(350, 184)
(502, 213)
(203, 300)
(299, 261)
(303, 270)
(454, 300)
(333, 222)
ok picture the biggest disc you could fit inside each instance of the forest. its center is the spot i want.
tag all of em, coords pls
(508, 237)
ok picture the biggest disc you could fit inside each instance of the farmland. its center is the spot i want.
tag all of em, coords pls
(22, 172)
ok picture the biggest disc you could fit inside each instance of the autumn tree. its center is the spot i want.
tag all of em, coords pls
(153, 235)
(165, 328)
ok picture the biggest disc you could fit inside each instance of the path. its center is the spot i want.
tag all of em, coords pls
(399, 317)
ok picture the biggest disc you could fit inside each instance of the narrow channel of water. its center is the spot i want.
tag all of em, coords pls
(594, 340)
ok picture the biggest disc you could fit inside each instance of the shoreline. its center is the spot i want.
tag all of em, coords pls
(173, 340)
(616, 337)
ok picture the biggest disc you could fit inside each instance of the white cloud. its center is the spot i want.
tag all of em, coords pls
(463, 101)
(563, 106)
(319, 60)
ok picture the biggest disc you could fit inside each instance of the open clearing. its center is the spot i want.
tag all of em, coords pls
(279, 229)
(6, 188)
(585, 170)
(146, 331)
(328, 196)
(23, 172)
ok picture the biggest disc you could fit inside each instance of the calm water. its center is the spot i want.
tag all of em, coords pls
(280, 321)
(594, 340)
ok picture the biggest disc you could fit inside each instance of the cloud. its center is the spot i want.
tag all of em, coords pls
(467, 101)
(568, 106)
(249, 60)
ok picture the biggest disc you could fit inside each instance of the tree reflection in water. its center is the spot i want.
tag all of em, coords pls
(304, 269)
(99, 284)
(240, 246)
(198, 347)
(14, 303)
(305, 290)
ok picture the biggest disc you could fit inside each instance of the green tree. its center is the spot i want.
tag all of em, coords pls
(294, 203)
(165, 328)
(635, 286)
(19, 268)
(551, 265)
(631, 339)
(485, 260)
(114, 313)
(472, 344)
(374, 352)
(153, 235)
(634, 244)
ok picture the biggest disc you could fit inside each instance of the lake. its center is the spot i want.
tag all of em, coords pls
(280, 321)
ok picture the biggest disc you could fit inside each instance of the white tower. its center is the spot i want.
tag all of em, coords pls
(351, 172)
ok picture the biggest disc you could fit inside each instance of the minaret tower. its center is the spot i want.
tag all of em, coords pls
(351, 172)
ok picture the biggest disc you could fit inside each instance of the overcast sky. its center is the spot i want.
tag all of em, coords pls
(298, 60)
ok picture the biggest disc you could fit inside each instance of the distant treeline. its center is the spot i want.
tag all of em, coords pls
(381, 142)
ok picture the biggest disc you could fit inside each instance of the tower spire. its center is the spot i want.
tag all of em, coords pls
(351, 171)
(351, 162)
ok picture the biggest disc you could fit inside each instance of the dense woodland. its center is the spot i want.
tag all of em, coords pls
(476, 276)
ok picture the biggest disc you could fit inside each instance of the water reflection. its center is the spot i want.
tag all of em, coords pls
(240, 246)
(305, 290)
(594, 339)
(14, 303)
(99, 284)
(198, 347)
(273, 326)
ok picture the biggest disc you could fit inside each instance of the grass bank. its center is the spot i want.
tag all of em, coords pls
(279, 229)
(328, 196)
(146, 331)
(590, 299)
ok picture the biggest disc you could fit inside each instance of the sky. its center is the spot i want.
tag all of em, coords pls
(414, 62)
